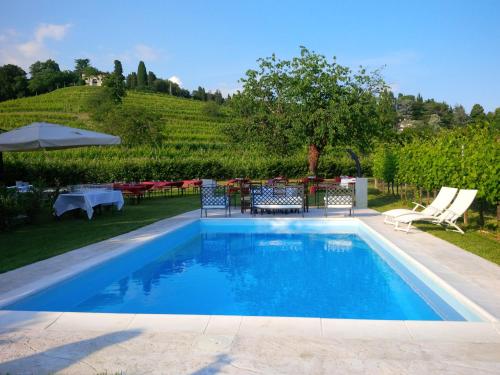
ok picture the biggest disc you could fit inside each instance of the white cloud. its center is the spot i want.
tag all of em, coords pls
(24, 53)
(176, 79)
(51, 31)
(32, 50)
(146, 53)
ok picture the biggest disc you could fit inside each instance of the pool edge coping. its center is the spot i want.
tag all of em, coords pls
(35, 322)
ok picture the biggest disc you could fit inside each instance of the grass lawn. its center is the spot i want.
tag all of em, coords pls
(482, 242)
(49, 237)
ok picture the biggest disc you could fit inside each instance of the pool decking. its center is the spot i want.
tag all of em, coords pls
(75, 343)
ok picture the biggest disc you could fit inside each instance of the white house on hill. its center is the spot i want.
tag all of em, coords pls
(96, 80)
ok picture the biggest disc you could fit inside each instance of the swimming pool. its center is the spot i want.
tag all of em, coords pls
(259, 267)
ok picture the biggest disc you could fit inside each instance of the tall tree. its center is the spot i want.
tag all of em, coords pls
(132, 80)
(200, 94)
(151, 79)
(460, 117)
(218, 98)
(405, 105)
(477, 113)
(440, 113)
(13, 82)
(45, 76)
(84, 68)
(80, 65)
(310, 101)
(115, 83)
(161, 85)
(386, 109)
(496, 118)
(142, 75)
(418, 108)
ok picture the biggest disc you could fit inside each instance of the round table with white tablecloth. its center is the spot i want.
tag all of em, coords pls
(87, 199)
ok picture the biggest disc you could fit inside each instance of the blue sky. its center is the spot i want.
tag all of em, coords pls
(448, 50)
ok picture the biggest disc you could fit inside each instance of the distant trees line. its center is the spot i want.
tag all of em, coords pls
(409, 111)
(47, 76)
(148, 81)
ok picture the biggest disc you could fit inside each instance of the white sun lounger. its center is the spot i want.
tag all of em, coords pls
(438, 205)
(448, 217)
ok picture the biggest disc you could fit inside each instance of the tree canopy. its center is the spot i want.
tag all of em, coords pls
(115, 83)
(84, 68)
(132, 80)
(477, 113)
(310, 101)
(142, 75)
(47, 76)
(13, 82)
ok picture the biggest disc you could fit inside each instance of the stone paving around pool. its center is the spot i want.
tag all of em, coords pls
(83, 343)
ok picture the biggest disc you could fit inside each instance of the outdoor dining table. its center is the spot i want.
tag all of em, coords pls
(87, 200)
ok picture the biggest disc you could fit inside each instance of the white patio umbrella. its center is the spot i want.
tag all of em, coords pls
(42, 135)
(45, 136)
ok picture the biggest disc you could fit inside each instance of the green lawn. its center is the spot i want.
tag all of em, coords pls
(476, 240)
(49, 237)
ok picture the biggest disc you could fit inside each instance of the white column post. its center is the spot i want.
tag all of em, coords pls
(361, 192)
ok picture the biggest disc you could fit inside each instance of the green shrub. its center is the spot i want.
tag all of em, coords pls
(212, 109)
(385, 164)
(17, 207)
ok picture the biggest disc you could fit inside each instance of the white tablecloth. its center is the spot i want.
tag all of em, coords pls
(344, 182)
(21, 188)
(87, 200)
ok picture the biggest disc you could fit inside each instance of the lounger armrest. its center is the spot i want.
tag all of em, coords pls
(417, 205)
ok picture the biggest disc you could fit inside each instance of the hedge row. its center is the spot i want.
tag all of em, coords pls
(86, 170)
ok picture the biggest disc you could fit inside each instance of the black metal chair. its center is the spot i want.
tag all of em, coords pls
(246, 196)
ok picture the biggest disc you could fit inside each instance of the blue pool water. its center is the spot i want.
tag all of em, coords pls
(207, 268)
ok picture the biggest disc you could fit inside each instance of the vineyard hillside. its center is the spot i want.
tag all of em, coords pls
(184, 119)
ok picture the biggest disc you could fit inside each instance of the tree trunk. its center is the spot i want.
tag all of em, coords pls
(466, 218)
(481, 212)
(498, 221)
(313, 159)
(420, 192)
(428, 198)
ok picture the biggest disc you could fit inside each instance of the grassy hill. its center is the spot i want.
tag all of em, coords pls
(195, 144)
(184, 119)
